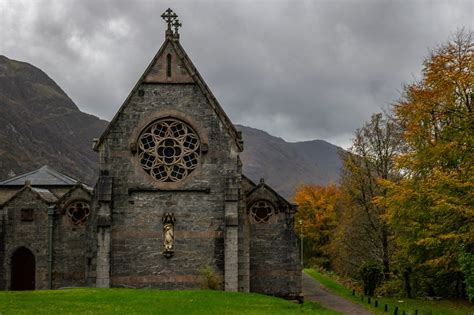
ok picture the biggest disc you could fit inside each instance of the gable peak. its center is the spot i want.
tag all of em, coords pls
(173, 23)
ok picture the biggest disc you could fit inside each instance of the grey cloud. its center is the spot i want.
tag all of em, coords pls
(299, 70)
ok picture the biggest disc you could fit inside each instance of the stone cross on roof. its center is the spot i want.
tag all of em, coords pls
(171, 19)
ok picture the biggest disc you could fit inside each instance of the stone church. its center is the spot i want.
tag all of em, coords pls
(170, 201)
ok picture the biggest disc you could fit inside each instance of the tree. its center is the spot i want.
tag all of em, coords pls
(432, 207)
(370, 160)
(317, 212)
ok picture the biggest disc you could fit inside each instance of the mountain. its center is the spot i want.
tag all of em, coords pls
(40, 124)
(285, 165)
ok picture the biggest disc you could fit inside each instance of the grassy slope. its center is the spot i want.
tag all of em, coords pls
(408, 305)
(128, 301)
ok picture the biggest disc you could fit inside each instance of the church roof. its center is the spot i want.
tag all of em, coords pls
(44, 176)
(43, 194)
(263, 185)
(196, 78)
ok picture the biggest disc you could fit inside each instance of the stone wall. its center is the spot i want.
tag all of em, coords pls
(139, 202)
(69, 244)
(30, 234)
(274, 262)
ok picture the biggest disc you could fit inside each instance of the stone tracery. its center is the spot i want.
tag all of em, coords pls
(261, 211)
(78, 212)
(169, 150)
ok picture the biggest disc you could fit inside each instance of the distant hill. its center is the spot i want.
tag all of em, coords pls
(285, 165)
(40, 124)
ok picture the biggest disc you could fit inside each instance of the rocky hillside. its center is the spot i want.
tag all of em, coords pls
(285, 165)
(40, 124)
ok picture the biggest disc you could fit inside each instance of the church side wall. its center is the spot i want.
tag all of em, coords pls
(69, 243)
(139, 203)
(30, 234)
(274, 263)
(244, 245)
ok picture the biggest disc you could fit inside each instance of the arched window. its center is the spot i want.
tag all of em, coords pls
(168, 65)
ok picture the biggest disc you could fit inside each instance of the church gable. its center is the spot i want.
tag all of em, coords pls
(168, 67)
(172, 66)
(32, 195)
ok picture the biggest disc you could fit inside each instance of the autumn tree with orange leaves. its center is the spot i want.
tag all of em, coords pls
(317, 213)
(432, 207)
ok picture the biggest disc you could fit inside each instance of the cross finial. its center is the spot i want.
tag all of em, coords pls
(176, 24)
(169, 16)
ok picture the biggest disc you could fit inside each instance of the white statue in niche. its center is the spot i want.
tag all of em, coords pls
(168, 234)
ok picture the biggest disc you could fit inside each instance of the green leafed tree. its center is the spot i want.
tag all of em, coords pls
(363, 232)
(432, 207)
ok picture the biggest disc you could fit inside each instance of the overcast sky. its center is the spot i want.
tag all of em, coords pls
(298, 69)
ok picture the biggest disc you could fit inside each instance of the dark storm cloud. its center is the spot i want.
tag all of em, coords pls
(300, 70)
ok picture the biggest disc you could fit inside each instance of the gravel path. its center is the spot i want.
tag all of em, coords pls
(314, 291)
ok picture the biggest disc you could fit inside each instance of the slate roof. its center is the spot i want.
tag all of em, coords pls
(44, 176)
(45, 194)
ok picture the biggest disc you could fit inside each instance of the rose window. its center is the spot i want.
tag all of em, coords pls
(261, 211)
(78, 212)
(169, 150)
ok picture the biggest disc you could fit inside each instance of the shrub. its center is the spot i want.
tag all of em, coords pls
(466, 262)
(210, 279)
(391, 288)
(371, 275)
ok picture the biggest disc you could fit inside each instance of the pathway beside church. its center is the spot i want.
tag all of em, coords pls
(314, 291)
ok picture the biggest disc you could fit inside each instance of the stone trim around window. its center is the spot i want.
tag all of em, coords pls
(78, 212)
(169, 150)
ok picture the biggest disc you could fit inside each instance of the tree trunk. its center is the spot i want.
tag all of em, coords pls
(385, 256)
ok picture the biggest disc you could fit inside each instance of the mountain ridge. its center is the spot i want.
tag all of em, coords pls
(40, 124)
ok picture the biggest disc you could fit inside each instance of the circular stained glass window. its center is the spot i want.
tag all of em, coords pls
(78, 212)
(261, 211)
(169, 150)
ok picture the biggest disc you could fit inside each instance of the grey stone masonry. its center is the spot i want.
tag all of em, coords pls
(30, 234)
(274, 261)
(198, 202)
(231, 235)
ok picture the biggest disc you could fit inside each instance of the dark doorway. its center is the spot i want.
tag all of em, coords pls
(23, 270)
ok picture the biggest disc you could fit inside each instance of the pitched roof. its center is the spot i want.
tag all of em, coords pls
(78, 185)
(198, 80)
(262, 185)
(43, 194)
(44, 176)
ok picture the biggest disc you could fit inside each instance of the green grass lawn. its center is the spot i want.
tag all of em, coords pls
(424, 307)
(141, 301)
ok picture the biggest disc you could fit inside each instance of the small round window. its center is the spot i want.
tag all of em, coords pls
(261, 211)
(169, 150)
(78, 212)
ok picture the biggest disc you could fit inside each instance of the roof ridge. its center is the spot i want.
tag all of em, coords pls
(32, 189)
(198, 80)
(55, 173)
(19, 176)
(211, 98)
(46, 170)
